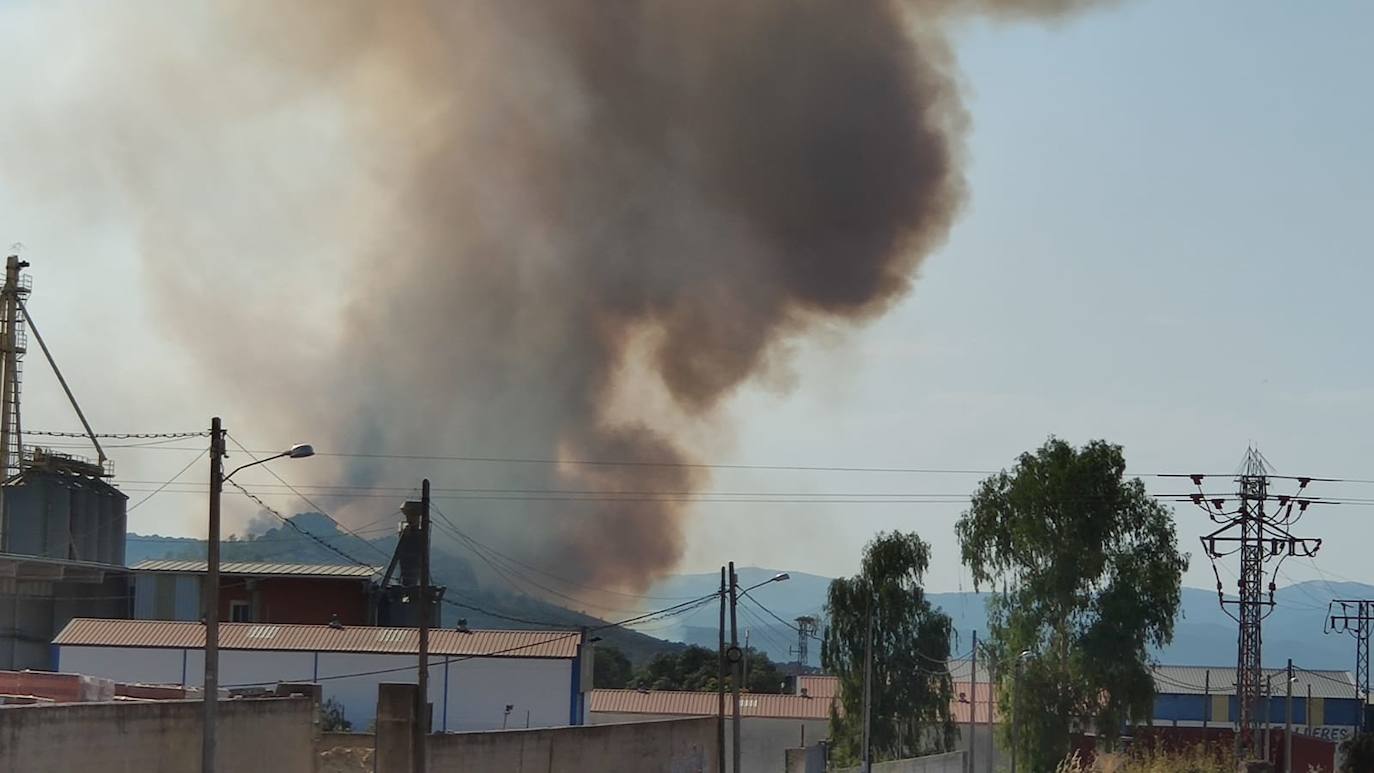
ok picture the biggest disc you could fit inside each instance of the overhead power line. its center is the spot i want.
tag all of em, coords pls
(646, 463)
(748, 595)
(169, 482)
(295, 526)
(307, 500)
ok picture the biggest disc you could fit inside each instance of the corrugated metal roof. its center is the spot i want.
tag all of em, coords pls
(987, 702)
(87, 632)
(1195, 680)
(959, 670)
(688, 703)
(259, 568)
(818, 685)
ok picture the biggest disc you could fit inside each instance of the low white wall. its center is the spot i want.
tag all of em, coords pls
(952, 762)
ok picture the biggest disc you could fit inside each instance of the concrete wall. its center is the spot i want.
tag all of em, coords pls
(935, 763)
(988, 756)
(659, 746)
(763, 741)
(466, 695)
(810, 759)
(662, 746)
(259, 736)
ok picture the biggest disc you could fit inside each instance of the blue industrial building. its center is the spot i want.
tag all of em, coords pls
(1325, 703)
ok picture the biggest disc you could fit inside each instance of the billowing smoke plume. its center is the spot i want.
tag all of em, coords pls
(551, 229)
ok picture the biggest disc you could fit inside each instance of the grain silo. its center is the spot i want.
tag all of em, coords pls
(62, 524)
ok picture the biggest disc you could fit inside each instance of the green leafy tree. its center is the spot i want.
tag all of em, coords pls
(1358, 752)
(332, 717)
(911, 685)
(693, 668)
(1090, 571)
(611, 668)
(696, 668)
(764, 675)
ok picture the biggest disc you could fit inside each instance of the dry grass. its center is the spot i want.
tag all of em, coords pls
(1199, 759)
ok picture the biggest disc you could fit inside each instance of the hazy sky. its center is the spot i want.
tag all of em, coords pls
(1167, 244)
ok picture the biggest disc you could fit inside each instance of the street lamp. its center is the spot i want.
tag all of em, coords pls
(779, 577)
(1016, 710)
(210, 697)
(298, 451)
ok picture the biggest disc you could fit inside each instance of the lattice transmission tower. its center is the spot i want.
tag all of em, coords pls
(1259, 535)
(1356, 617)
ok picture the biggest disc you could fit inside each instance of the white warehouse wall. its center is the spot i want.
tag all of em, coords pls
(478, 689)
(130, 664)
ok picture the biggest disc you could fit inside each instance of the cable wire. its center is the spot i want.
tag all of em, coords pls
(307, 500)
(169, 482)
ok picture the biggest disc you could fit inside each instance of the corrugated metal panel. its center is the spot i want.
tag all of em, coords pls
(819, 686)
(87, 632)
(259, 568)
(686, 703)
(987, 703)
(959, 670)
(1192, 680)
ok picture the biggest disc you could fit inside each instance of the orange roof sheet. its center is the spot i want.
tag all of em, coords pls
(260, 568)
(88, 632)
(819, 685)
(984, 697)
(689, 703)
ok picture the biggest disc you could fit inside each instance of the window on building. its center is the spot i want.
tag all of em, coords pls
(240, 612)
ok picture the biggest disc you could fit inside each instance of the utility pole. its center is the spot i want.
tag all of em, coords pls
(1268, 705)
(1356, 617)
(735, 657)
(210, 592)
(1258, 537)
(720, 680)
(421, 728)
(973, 705)
(1288, 724)
(868, 689)
(744, 680)
(1206, 696)
(210, 697)
(1015, 714)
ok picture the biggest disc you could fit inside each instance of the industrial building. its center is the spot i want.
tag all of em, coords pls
(258, 592)
(1325, 703)
(478, 680)
(62, 524)
(276, 592)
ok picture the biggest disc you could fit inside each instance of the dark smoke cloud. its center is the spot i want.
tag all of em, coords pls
(566, 229)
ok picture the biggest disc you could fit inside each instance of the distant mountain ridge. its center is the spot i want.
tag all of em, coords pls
(1203, 635)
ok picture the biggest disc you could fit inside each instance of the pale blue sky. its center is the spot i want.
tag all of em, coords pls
(1166, 245)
